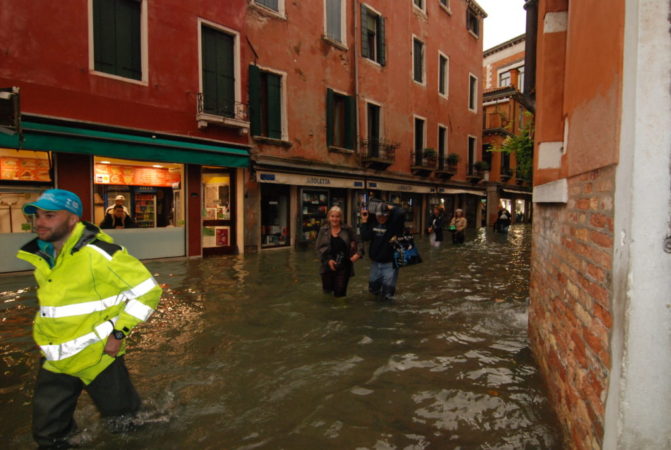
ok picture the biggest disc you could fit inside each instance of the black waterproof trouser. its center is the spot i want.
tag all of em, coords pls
(55, 400)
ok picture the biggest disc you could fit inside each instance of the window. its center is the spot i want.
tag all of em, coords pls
(472, 92)
(340, 120)
(471, 153)
(218, 66)
(418, 60)
(372, 39)
(504, 79)
(373, 122)
(445, 3)
(265, 103)
(419, 141)
(472, 21)
(335, 20)
(270, 4)
(443, 74)
(442, 145)
(420, 4)
(117, 37)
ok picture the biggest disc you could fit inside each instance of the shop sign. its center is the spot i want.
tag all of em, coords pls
(308, 180)
(24, 169)
(135, 175)
(393, 187)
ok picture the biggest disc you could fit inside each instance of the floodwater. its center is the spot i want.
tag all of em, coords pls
(246, 352)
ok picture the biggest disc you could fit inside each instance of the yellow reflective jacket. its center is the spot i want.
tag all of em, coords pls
(94, 286)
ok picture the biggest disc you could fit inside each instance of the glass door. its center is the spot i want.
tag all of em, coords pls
(218, 235)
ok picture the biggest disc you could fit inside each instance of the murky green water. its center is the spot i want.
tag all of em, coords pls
(246, 352)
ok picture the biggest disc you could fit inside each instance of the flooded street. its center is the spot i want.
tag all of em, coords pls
(246, 352)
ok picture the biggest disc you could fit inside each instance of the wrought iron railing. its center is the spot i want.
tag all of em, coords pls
(228, 109)
(379, 149)
(420, 158)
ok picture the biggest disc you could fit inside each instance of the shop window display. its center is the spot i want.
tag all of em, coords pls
(150, 192)
(274, 216)
(23, 176)
(217, 224)
(314, 206)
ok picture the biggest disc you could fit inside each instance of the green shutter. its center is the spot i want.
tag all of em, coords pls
(225, 75)
(254, 100)
(365, 52)
(381, 47)
(329, 116)
(104, 36)
(274, 106)
(128, 39)
(350, 122)
(209, 70)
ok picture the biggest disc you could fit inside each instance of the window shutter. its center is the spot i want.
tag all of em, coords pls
(350, 122)
(209, 71)
(329, 117)
(254, 100)
(128, 39)
(274, 106)
(364, 32)
(381, 47)
(104, 36)
(224, 74)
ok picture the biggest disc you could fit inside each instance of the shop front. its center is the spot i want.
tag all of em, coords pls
(306, 199)
(180, 194)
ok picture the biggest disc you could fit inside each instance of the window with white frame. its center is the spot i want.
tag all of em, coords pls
(117, 37)
(265, 103)
(219, 68)
(442, 145)
(419, 140)
(274, 5)
(472, 21)
(340, 120)
(472, 142)
(372, 35)
(472, 93)
(504, 79)
(445, 3)
(335, 20)
(443, 74)
(418, 60)
(420, 4)
(373, 125)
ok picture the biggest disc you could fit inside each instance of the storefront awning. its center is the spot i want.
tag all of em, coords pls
(58, 138)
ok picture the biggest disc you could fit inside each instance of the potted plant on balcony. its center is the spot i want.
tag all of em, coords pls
(452, 161)
(430, 155)
(480, 167)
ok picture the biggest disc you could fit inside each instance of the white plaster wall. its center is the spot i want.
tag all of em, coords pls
(638, 408)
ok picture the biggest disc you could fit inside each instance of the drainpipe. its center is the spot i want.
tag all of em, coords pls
(531, 40)
(356, 13)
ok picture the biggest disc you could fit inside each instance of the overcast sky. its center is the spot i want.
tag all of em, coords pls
(505, 20)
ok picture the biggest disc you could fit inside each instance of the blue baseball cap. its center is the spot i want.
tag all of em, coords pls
(55, 200)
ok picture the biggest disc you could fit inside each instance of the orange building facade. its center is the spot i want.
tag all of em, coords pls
(505, 114)
(360, 100)
(599, 309)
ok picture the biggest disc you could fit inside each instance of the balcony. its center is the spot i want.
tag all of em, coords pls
(423, 162)
(231, 115)
(447, 167)
(378, 154)
(478, 172)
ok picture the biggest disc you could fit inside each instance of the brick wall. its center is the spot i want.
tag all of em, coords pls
(570, 313)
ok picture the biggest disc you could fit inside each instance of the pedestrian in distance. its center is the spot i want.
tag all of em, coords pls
(117, 219)
(382, 230)
(91, 293)
(502, 220)
(119, 200)
(457, 226)
(338, 248)
(435, 228)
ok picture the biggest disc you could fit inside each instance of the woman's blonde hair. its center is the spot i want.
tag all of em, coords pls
(334, 209)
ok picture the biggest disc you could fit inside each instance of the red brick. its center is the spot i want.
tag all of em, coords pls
(601, 239)
(603, 315)
(583, 203)
(587, 188)
(598, 220)
(579, 349)
(596, 272)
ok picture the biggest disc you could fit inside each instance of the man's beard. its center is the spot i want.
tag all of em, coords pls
(58, 233)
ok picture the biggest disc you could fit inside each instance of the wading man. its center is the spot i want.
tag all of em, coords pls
(91, 294)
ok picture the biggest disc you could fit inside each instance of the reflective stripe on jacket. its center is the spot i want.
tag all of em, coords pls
(93, 287)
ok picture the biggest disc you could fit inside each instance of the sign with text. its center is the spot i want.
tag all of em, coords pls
(135, 175)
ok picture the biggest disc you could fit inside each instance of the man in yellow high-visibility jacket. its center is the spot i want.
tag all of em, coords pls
(91, 294)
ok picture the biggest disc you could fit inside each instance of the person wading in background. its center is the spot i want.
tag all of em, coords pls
(91, 294)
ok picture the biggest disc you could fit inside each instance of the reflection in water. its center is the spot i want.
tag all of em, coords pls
(246, 352)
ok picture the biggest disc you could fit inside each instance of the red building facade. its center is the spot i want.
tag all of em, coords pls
(117, 98)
